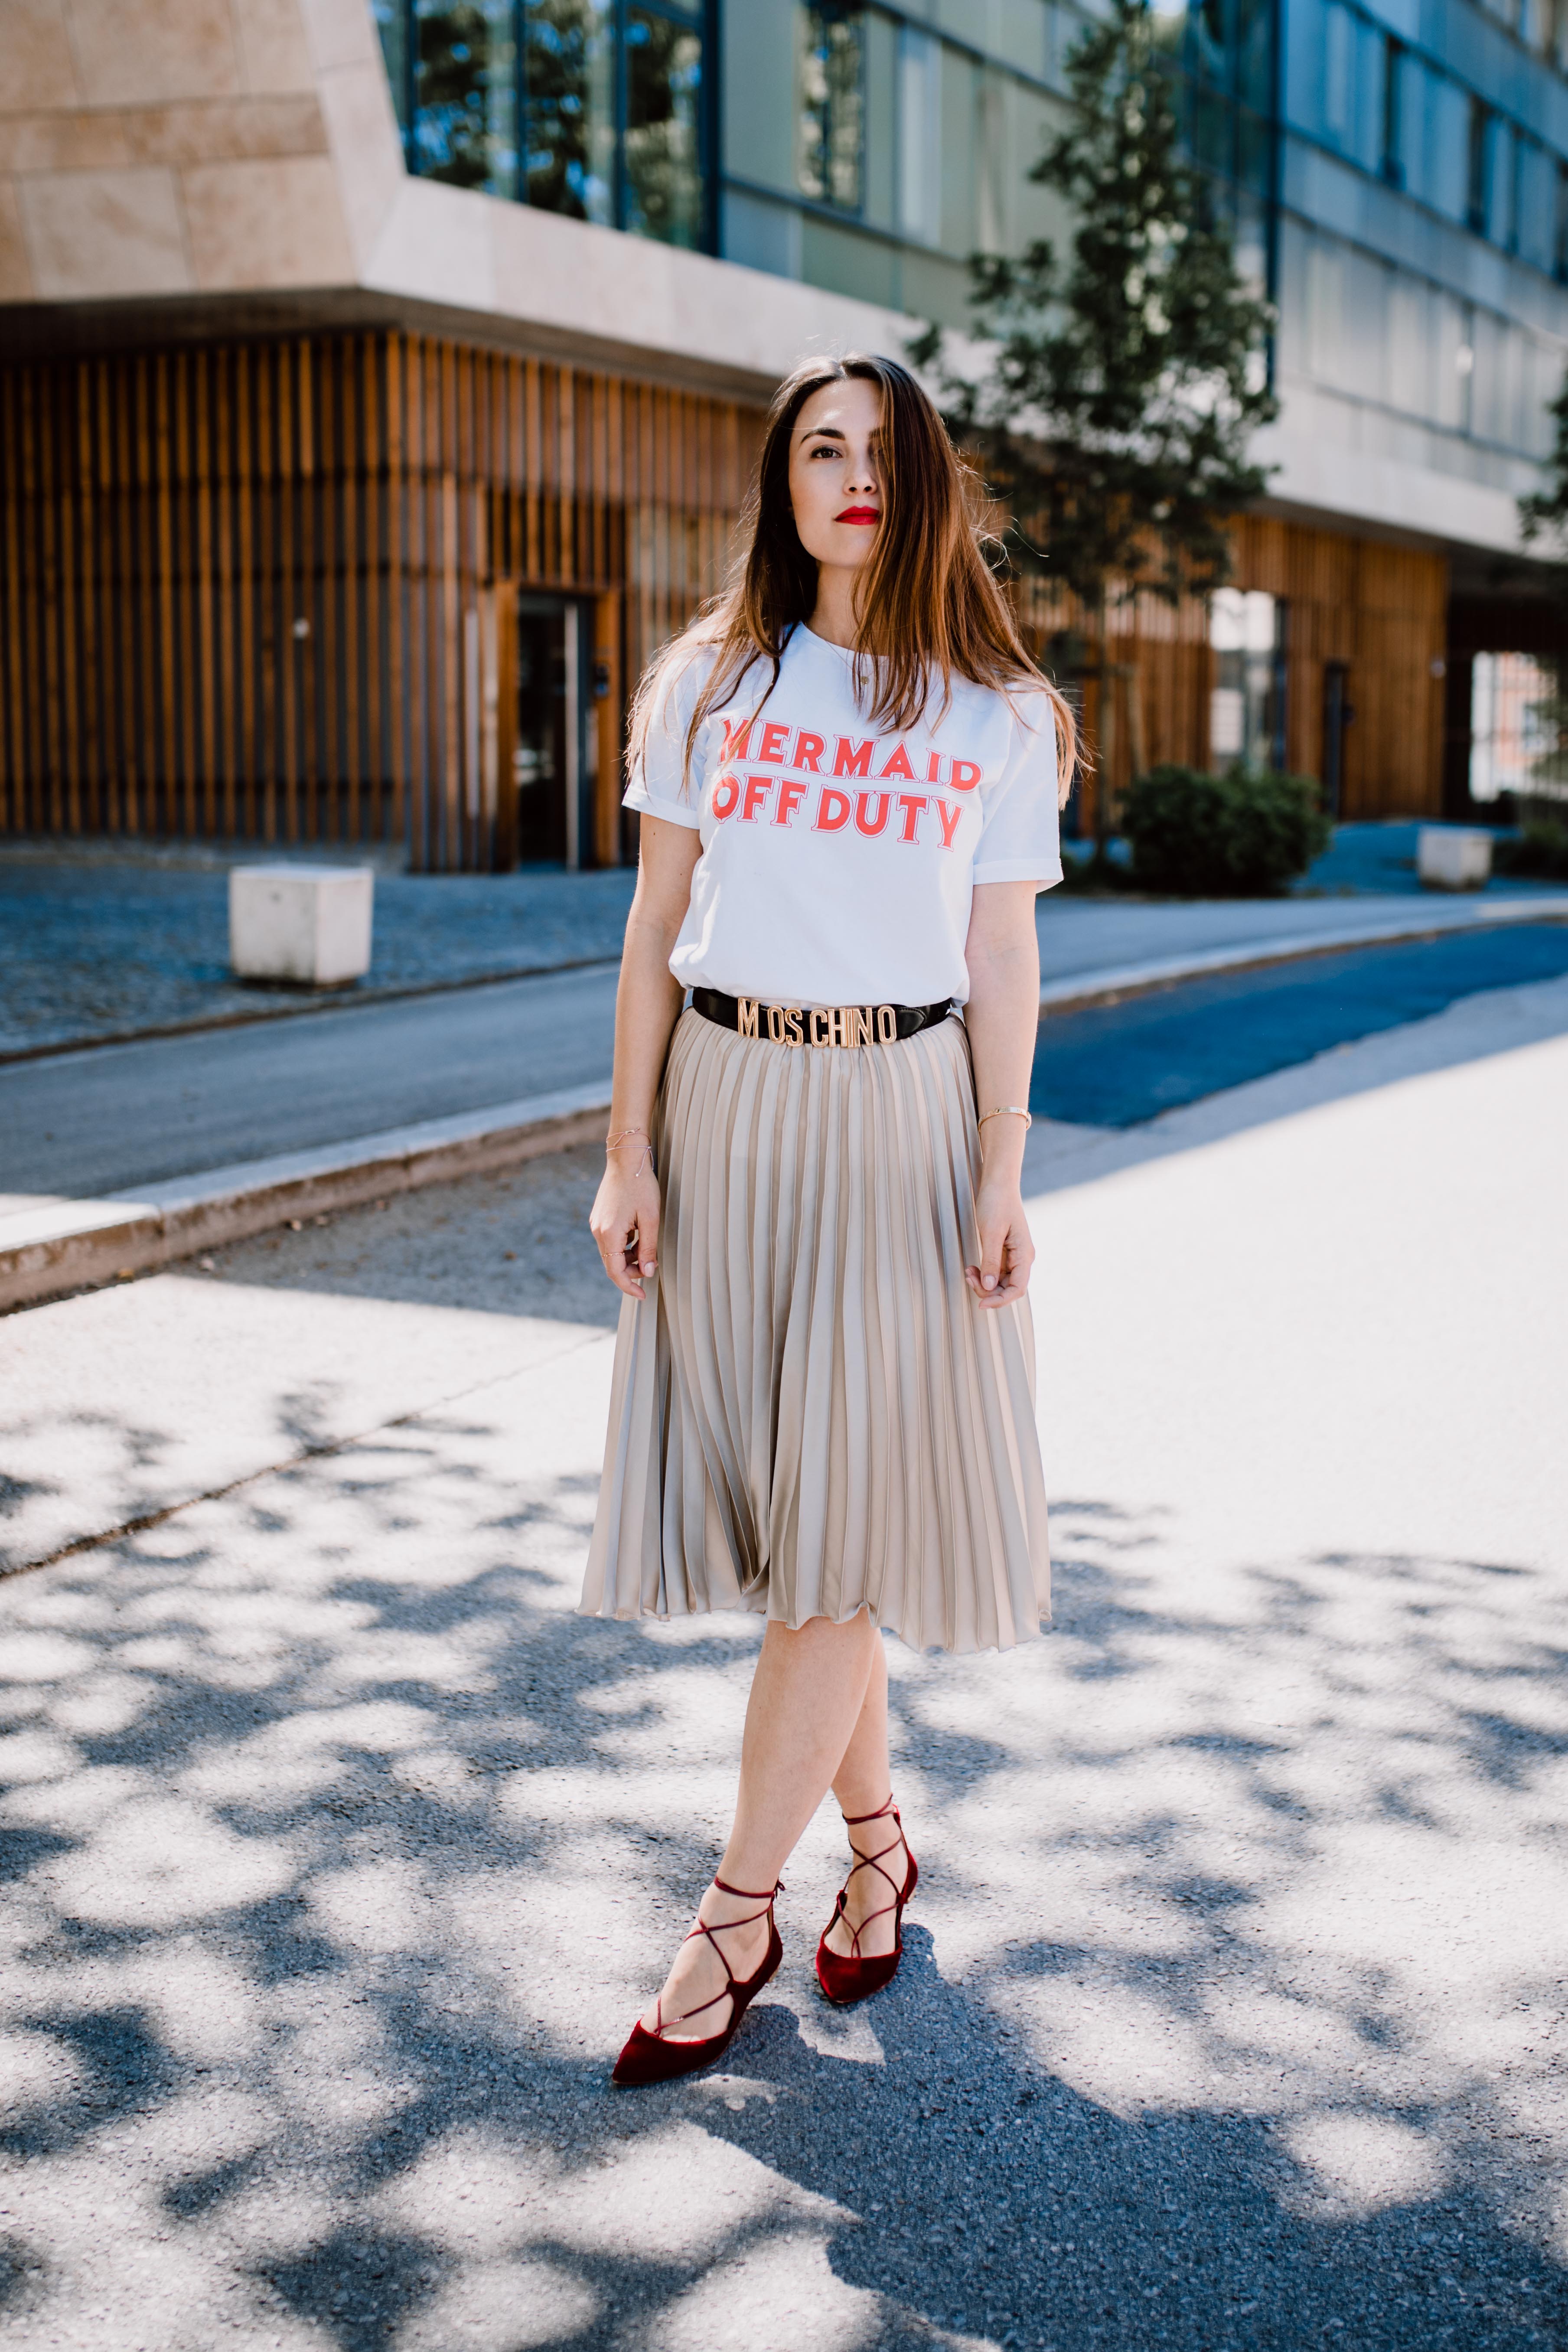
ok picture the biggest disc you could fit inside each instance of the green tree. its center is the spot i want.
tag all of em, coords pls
(1125, 378)
(1544, 514)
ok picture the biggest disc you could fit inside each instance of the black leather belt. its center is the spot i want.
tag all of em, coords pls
(836, 1024)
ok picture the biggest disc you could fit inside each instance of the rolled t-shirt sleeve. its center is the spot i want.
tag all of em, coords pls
(658, 785)
(1020, 840)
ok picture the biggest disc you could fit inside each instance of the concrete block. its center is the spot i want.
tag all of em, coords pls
(1454, 858)
(310, 924)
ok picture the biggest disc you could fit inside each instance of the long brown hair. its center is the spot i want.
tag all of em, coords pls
(929, 604)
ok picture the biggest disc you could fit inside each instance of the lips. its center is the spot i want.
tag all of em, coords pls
(858, 514)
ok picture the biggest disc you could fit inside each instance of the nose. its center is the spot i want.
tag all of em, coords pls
(860, 473)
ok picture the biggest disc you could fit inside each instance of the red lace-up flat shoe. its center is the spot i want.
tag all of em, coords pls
(850, 1978)
(651, 2057)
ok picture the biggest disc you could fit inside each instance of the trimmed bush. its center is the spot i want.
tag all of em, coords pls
(1238, 835)
(1540, 852)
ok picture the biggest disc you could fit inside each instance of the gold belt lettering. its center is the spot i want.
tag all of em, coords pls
(818, 1024)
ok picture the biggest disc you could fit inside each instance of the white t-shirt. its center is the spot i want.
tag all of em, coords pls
(837, 866)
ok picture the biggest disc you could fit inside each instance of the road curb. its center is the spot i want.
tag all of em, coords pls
(71, 1244)
(1076, 992)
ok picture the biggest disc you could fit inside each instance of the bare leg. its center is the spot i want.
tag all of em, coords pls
(860, 1784)
(808, 1697)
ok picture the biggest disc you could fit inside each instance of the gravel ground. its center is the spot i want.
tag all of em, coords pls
(98, 943)
(342, 1851)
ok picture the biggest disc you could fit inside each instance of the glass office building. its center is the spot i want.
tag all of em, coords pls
(1397, 179)
(1408, 204)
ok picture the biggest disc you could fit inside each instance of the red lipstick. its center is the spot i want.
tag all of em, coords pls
(858, 514)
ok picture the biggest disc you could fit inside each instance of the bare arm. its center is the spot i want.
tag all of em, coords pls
(624, 1218)
(1003, 954)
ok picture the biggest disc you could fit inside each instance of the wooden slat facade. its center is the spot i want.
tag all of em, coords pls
(1381, 610)
(263, 591)
(249, 592)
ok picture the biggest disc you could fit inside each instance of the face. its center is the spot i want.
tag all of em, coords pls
(835, 485)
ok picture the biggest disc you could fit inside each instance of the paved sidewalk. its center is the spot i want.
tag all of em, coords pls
(1233, 2005)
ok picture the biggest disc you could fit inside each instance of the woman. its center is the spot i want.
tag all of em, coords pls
(822, 1403)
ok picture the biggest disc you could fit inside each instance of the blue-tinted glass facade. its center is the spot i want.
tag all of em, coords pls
(601, 110)
(1423, 199)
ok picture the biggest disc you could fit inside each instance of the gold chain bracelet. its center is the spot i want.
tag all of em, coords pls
(1007, 1110)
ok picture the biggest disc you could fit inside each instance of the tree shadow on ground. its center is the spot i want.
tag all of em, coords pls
(346, 1854)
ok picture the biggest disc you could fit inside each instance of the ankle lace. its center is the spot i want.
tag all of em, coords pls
(872, 1862)
(720, 1927)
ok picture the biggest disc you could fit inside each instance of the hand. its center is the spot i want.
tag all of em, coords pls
(624, 1221)
(1006, 1245)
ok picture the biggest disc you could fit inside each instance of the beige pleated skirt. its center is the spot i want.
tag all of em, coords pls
(810, 1416)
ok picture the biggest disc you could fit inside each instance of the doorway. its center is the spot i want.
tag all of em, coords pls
(1337, 715)
(555, 759)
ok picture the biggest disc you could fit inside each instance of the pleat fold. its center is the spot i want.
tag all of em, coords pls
(810, 1416)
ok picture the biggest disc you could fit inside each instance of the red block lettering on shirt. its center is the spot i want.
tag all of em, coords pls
(966, 776)
(832, 809)
(949, 818)
(852, 759)
(808, 749)
(898, 765)
(790, 798)
(736, 732)
(726, 795)
(757, 790)
(933, 769)
(863, 822)
(775, 735)
(911, 803)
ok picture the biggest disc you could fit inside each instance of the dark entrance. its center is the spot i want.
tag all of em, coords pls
(554, 762)
(1336, 717)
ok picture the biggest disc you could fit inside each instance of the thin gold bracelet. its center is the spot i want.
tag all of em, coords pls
(1007, 1110)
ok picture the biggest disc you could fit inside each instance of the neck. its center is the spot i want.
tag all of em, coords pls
(833, 615)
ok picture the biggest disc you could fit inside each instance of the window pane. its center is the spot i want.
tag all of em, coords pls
(391, 21)
(1213, 128)
(569, 61)
(664, 88)
(831, 142)
(1209, 41)
(1512, 733)
(465, 128)
(1448, 147)
(1254, 53)
(1537, 195)
(920, 134)
(1412, 365)
(1247, 632)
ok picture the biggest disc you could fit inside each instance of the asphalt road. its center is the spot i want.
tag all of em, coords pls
(104, 1122)
(1118, 1065)
(339, 1852)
